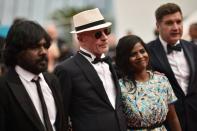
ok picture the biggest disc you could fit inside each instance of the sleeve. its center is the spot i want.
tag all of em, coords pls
(66, 88)
(126, 98)
(2, 109)
(121, 85)
(2, 118)
(123, 91)
(171, 98)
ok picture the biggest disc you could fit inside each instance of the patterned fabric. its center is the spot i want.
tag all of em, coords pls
(147, 104)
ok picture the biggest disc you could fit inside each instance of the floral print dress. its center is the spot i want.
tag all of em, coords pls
(147, 104)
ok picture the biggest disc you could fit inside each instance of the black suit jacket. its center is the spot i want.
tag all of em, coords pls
(186, 106)
(17, 112)
(85, 99)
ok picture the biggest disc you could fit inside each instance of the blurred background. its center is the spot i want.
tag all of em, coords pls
(127, 16)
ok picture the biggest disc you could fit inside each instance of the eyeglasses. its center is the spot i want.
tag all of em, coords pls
(98, 34)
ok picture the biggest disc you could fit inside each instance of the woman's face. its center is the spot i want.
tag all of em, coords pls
(139, 58)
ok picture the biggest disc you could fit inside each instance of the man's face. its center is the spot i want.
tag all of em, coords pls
(95, 41)
(171, 27)
(34, 59)
(193, 32)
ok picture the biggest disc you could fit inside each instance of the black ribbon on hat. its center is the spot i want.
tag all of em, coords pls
(171, 48)
(90, 25)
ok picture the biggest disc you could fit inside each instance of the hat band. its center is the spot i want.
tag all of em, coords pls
(89, 25)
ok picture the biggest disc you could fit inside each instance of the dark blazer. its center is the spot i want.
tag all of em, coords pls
(186, 106)
(17, 112)
(85, 99)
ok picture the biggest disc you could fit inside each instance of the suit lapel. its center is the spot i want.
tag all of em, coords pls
(160, 54)
(162, 58)
(23, 98)
(56, 97)
(92, 76)
(115, 79)
(189, 56)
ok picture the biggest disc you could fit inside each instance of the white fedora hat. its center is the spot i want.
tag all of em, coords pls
(89, 20)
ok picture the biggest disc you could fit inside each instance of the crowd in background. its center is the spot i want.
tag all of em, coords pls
(105, 85)
(60, 50)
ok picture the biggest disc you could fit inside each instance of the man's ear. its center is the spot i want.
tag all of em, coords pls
(80, 38)
(157, 25)
(19, 55)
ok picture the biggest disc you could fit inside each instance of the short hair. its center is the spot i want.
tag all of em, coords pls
(21, 36)
(166, 9)
(123, 52)
(193, 31)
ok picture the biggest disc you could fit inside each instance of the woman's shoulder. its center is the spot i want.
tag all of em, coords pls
(158, 76)
(121, 82)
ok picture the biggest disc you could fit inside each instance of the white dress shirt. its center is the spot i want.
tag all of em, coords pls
(105, 75)
(179, 65)
(26, 77)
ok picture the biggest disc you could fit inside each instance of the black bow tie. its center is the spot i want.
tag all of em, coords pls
(171, 48)
(97, 59)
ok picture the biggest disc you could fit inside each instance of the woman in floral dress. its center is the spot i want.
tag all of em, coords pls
(147, 96)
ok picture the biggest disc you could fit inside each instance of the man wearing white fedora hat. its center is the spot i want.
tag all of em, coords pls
(89, 82)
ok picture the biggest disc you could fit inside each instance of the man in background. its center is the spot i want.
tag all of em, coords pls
(193, 32)
(177, 59)
(58, 50)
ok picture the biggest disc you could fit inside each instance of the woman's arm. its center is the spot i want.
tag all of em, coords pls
(172, 119)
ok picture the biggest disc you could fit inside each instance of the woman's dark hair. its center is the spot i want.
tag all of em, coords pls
(123, 52)
(21, 36)
(166, 9)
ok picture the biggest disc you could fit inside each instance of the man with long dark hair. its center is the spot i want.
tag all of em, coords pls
(29, 98)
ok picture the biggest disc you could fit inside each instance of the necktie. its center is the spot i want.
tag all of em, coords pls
(97, 59)
(171, 48)
(47, 122)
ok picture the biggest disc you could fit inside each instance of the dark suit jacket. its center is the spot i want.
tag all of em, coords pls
(85, 99)
(17, 112)
(186, 106)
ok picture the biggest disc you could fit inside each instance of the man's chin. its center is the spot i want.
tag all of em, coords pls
(105, 50)
(40, 70)
(42, 67)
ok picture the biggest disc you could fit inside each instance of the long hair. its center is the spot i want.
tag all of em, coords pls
(123, 51)
(21, 36)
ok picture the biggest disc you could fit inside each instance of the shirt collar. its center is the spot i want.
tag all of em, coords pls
(164, 43)
(92, 55)
(28, 76)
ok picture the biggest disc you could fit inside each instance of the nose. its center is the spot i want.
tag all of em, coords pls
(43, 50)
(104, 36)
(175, 26)
(139, 55)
